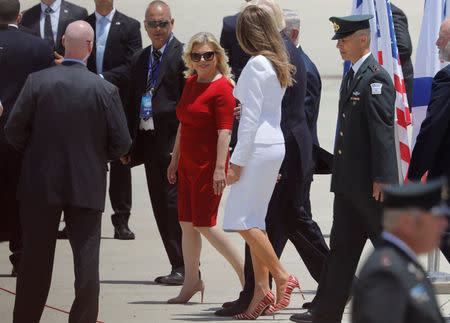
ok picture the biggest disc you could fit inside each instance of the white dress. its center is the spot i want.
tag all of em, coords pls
(260, 147)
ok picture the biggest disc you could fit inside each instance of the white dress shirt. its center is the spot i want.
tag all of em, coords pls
(54, 18)
(149, 124)
(359, 62)
(109, 18)
(260, 94)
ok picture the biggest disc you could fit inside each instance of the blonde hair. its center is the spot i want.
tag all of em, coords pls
(258, 35)
(274, 9)
(219, 52)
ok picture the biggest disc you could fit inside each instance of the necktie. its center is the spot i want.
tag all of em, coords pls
(156, 57)
(101, 43)
(48, 31)
(350, 75)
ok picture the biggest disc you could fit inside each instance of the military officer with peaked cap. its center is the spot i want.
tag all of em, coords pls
(364, 162)
(392, 279)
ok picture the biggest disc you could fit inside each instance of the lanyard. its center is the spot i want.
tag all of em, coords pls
(153, 78)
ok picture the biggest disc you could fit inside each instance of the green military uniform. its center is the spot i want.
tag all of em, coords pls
(393, 288)
(392, 285)
(364, 153)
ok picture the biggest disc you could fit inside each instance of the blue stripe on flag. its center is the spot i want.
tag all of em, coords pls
(358, 3)
(422, 91)
(392, 31)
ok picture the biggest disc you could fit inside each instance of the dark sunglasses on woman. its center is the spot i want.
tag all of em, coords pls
(207, 56)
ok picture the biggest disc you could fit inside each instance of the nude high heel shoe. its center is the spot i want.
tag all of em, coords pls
(199, 287)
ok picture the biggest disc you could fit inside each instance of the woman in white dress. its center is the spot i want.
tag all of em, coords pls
(259, 153)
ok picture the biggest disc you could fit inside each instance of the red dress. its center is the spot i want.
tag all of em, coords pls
(204, 108)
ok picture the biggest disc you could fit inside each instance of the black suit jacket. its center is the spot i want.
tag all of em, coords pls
(404, 48)
(432, 150)
(69, 12)
(313, 91)
(69, 123)
(168, 89)
(124, 39)
(20, 55)
(364, 150)
(393, 288)
(228, 40)
(293, 118)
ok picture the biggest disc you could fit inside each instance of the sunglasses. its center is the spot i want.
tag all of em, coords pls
(156, 24)
(207, 56)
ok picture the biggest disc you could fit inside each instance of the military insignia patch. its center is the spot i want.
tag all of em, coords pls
(376, 88)
(419, 294)
(356, 93)
(336, 27)
(375, 68)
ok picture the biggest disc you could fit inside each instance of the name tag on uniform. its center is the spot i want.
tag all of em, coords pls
(146, 106)
(376, 88)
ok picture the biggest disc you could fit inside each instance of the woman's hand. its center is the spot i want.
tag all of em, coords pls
(234, 174)
(172, 171)
(219, 180)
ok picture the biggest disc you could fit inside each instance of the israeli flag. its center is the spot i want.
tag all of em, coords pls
(427, 60)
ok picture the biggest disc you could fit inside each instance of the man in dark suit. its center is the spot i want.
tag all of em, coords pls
(64, 172)
(50, 18)
(156, 74)
(14, 47)
(364, 162)
(404, 46)
(285, 218)
(392, 279)
(432, 150)
(117, 38)
(237, 58)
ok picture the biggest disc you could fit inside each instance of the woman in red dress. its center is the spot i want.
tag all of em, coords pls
(200, 155)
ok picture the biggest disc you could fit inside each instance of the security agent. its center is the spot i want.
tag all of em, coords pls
(364, 162)
(392, 278)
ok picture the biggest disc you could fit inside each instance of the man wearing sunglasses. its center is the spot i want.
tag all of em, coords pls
(155, 80)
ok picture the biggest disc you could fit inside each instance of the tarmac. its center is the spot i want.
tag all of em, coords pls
(128, 268)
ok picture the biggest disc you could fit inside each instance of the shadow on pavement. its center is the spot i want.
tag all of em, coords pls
(128, 282)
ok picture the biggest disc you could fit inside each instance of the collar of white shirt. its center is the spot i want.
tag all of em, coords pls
(360, 61)
(399, 244)
(161, 49)
(109, 16)
(55, 6)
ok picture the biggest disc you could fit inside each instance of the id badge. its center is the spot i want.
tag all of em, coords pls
(146, 106)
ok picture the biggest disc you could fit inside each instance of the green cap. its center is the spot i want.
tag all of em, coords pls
(432, 196)
(345, 26)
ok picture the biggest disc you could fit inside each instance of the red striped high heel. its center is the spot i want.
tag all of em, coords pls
(286, 298)
(266, 302)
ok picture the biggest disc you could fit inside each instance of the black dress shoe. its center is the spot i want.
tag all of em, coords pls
(176, 277)
(62, 234)
(237, 308)
(121, 229)
(305, 317)
(306, 305)
(229, 304)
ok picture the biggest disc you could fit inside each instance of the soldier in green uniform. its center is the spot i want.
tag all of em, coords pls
(364, 162)
(392, 280)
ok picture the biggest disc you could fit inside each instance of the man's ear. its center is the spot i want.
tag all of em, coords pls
(19, 18)
(63, 41)
(295, 34)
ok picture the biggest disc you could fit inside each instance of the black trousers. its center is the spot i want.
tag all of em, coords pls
(10, 230)
(164, 197)
(40, 227)
(288, 219)
(120, 188)
(355, 219)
